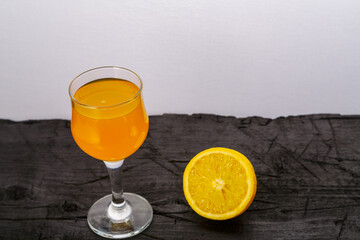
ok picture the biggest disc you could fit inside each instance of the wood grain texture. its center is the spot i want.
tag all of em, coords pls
(307, 167)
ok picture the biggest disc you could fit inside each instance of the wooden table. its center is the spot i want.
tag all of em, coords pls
(307, 167)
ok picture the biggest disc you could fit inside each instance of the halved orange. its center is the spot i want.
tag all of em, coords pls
(219, 183)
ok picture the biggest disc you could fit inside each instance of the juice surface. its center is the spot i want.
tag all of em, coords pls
(116, 127)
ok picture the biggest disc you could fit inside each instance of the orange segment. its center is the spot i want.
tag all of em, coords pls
(219, 183)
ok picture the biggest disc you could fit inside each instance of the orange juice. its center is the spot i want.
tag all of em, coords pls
(109, 121)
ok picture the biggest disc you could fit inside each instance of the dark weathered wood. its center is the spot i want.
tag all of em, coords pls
(308, 171)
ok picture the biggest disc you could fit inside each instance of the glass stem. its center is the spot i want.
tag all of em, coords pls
(115, 174)
(118, 210)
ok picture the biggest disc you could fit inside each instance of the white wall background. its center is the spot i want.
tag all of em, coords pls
(268, 58)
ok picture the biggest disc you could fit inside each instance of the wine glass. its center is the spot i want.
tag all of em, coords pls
(109, 122)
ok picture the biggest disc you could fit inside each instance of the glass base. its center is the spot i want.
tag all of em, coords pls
(135, 217)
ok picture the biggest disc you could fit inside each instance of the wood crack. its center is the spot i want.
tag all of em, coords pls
(272, 143)
(342, 224)
(88, 182)
(157, 153)
(306, 205)
(334, 138)
(173, 217)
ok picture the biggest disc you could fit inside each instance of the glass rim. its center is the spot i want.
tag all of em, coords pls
(109, 106)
